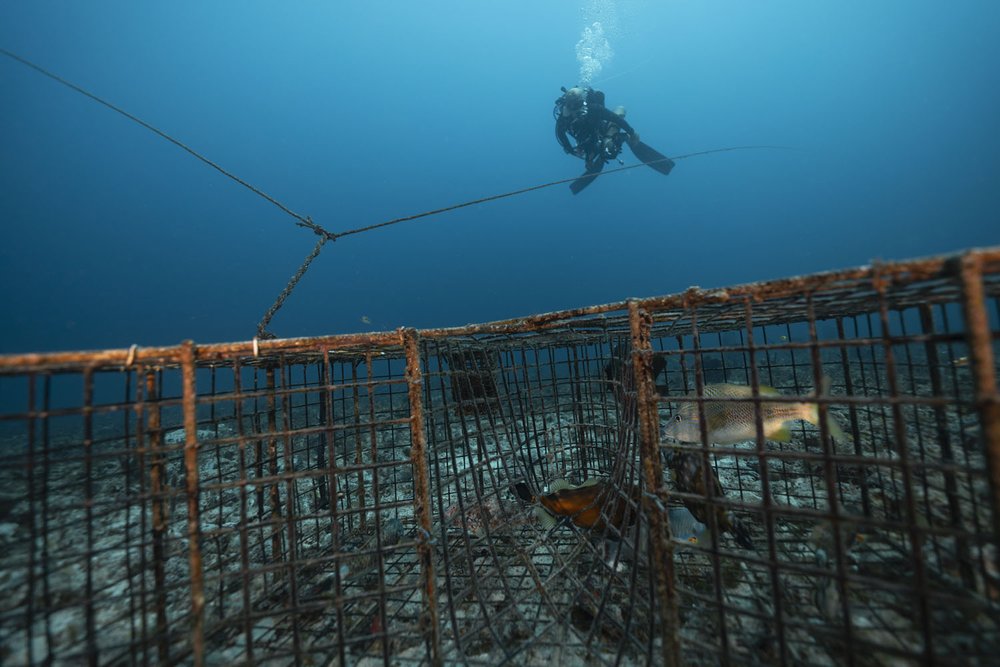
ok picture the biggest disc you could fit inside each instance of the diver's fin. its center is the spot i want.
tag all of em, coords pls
(582, 182)
(652, 157)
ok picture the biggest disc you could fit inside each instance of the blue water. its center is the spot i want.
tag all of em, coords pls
(354, 114)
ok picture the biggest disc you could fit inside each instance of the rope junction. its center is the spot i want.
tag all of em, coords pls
(306, 221)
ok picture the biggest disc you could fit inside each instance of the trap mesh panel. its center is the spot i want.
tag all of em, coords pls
(658, 482)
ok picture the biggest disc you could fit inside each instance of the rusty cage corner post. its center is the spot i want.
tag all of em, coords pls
(421, 492)
(190, 403)
(656, 495)
(158, 510)
(980, 341)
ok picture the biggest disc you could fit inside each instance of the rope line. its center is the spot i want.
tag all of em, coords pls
(151, 128)
(262, 331)
(333, 236)
(738, 148)
(307, 222)
(336, 235)
(481, 200)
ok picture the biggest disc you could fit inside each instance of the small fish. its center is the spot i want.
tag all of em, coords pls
(730, 422)
(633, 546)
(365, 319)
(686, 529)
(961, 361)
(594, 505)
(688, 477)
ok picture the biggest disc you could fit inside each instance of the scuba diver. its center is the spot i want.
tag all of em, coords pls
(599, 134)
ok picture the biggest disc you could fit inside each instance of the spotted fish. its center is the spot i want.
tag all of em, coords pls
(728, 422)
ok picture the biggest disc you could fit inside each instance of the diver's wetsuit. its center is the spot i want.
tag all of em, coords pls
(599, 133)
(589, 131)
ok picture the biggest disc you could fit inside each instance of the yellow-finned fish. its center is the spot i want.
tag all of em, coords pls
(734, 421)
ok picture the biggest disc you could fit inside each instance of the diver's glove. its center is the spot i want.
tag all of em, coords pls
(634, 139)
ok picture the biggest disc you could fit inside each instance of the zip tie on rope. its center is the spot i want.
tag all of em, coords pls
(130, 359)
(256, 348)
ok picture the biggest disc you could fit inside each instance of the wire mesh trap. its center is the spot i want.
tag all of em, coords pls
(796, 472)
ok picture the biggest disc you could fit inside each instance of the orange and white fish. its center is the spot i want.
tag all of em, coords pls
(583, 504)
(594, 505)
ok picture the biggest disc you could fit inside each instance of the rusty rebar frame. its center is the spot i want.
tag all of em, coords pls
(656, 496)
(578, 320)
(980, 339)
(421, 493)
(191, 470)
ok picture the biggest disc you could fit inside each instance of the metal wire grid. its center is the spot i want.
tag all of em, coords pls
(345, 500)
(272, 548)
(915, 477)
(512, 592)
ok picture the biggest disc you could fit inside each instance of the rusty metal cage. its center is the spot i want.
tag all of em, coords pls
(378, 499)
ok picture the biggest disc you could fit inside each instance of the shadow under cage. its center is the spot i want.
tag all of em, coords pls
(803, 471)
